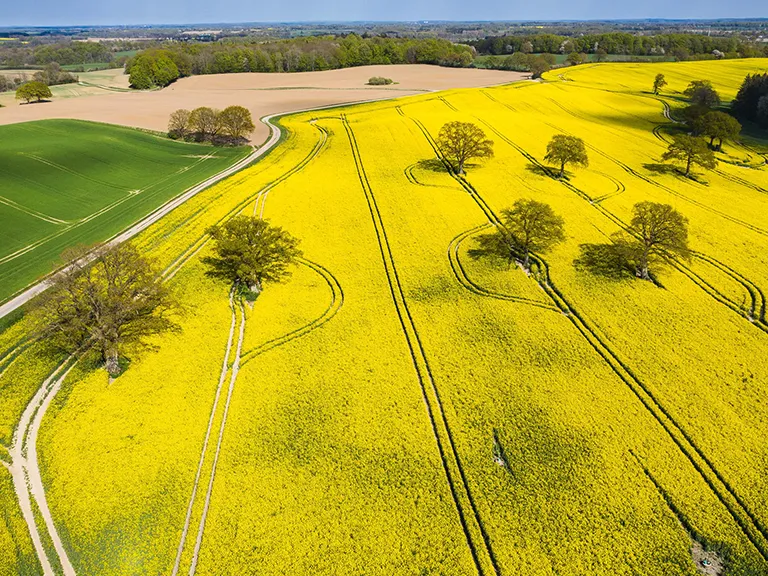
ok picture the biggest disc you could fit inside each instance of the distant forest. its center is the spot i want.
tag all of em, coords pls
(161, 66)
(679, 46)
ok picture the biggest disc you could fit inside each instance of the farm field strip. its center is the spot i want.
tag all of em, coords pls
(739, 511)
(480, 546)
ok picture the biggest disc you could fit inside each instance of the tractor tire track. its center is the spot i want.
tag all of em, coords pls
(217, 396)
(471, 523)
(741, 514)
(25, 471)
(337, 300)
(222, 427)
(463, 278)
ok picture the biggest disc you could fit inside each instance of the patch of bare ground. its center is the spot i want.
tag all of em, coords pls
(262, 94)
(707, 562)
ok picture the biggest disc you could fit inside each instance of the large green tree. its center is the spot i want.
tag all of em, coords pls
(656, 231)
(249, 251)
(717, 126)
(463, 141)
(529, 226)
(236, 122)
(564, 149)
(33, 91)
(107, 299)
(702, 93)
(690, 151)
(205, 122)
(658, 83)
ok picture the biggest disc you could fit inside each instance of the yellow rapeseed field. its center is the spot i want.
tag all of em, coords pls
(401, 407)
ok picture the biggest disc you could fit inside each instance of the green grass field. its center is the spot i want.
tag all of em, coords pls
(68, 182)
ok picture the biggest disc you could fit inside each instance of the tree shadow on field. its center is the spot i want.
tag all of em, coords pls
(431, 165)
(610, 261)
(668, 169)
(547, 172)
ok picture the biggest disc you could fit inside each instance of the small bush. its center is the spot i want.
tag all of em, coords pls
(380, 81)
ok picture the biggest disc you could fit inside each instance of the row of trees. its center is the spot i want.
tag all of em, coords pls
(680, 46)
(655, 233)
(751, 102)
(161, 66)
(536, 64)
(52, 75)
(28, 53)
(230, 126)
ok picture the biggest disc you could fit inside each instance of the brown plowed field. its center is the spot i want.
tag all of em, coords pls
(262, 93)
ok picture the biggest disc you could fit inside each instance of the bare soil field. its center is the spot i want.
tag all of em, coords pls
(262, 93)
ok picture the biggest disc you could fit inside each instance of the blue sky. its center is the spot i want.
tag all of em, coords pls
(85, 12)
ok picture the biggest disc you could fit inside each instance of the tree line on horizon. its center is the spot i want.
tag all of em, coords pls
(676, 46)
(159, 67)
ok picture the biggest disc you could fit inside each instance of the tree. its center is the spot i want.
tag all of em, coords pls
(691, 115)
(717, 126)
(529, 226)
(600, 54)
(540, 64)
(690, 150)
(463, 141)
(250, 251)
(658, 83)
(747, 102)
(105, 300)
(533, 226)
(564, 149)
(762, 110)
(236, 122)
(33, 91)
(702, 93)
(656, 230)
(205, 122)
(178, 125)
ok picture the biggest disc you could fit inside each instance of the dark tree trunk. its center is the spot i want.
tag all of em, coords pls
(688, 166)
(562, 169)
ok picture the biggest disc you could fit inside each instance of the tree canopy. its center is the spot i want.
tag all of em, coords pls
(178, 124)
(249, 252)
(747, 105)
(529, 226)
(205, 122)
(564, 149)
(106, 300)
(702, 93)
(463, 141)
(236, 122)
(33, 91)
(656, 230)
(717, 126)
(689, 150)
(658, 83)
